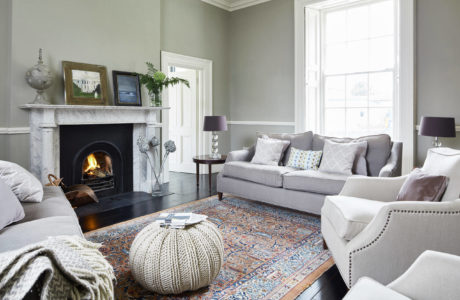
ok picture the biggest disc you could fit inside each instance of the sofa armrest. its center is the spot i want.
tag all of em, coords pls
(431, 275)
(398, 234)
(373, 188)
(394, 162)
(241, 155)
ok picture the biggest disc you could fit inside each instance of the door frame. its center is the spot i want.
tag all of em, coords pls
(204, 103)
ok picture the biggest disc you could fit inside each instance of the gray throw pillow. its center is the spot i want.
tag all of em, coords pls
(10, 208)
(421, 186)
(339, 157)
(269, 151)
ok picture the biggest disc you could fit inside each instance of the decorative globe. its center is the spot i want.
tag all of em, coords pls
(40, 78)
(172, 261)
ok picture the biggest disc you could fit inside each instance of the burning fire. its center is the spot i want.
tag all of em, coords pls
(92, 163)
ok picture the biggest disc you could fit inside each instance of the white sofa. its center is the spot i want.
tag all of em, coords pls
(371, 234)
(434, 275)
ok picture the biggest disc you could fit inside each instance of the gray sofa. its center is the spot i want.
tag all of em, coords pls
(53, 216)
(302, 190)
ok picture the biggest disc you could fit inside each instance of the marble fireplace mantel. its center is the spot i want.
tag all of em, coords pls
(45, 120)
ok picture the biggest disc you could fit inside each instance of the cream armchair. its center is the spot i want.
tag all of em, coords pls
(371, 234)
(434, 275)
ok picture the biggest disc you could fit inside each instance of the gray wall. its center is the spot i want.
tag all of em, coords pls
(194, 28)
(5, 13)
(261, 68)
(116, 33)
(438, 65)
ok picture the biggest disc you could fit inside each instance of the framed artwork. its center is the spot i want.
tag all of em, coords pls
(126, 88)
(85, 84)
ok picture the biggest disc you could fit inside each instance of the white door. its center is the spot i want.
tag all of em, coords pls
(183, 125)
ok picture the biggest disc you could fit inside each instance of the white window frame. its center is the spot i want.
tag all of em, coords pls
(404, 108)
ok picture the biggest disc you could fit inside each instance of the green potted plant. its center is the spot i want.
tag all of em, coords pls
(155, 81)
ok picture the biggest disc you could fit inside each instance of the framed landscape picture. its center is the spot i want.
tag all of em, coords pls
(85, 84)
(126, 88)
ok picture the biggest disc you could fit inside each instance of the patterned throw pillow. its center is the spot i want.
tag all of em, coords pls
(339, 157)
(304, 159)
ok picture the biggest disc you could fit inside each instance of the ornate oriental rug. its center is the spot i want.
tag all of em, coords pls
(270, 252)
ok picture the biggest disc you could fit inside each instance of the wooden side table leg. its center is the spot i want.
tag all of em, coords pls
(210, 176)
(197, 174)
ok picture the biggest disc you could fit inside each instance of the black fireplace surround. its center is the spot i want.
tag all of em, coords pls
(77, 142)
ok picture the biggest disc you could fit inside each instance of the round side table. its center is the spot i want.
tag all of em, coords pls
(208, 160)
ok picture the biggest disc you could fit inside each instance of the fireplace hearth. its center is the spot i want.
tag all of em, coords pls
(99, 156)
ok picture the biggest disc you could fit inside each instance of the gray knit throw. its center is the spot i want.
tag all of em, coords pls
(72, 268)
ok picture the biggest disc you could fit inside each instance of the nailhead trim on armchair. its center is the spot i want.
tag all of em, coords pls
(385, 227)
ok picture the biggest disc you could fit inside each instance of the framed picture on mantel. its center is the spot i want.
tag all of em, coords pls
(126, 88)
(85, 84)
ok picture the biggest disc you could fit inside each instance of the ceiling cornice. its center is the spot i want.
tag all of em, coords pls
(232, 5)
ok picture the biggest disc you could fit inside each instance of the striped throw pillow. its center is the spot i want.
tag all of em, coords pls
(304, 159)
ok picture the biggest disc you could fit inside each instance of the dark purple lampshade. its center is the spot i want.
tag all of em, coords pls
(215, 123)
(437, 127)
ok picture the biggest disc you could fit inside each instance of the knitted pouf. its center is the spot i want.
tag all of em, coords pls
(172, 261)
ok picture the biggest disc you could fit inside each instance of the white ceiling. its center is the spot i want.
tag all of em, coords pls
(232, 5)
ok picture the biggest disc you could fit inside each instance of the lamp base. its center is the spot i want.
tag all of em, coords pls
(215, 146)
(436, 142)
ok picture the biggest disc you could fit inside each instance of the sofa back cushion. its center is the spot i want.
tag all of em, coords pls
(378, 150)
(302, 141)
(445, 162)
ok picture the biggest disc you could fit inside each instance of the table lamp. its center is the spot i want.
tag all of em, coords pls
(437, 127)
(214, 124)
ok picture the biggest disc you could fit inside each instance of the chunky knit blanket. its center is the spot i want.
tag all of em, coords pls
(65, 267)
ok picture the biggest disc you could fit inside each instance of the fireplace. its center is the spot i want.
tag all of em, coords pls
(100, 156)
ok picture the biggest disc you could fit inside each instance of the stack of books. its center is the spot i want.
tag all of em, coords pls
(179, 220)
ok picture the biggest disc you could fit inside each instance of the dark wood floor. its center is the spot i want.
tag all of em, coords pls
(329, 286)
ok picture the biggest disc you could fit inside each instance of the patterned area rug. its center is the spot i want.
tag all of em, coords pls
(270, 252)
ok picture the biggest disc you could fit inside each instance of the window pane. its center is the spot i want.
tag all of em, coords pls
(357, 122)
(336, 58)
(381, 19)
(357, 90)
(381, 120)
(335, 91)
(336, 26)
(357, 56)
(358, 23)
(334, 122)
(381, 89)
(381, 53)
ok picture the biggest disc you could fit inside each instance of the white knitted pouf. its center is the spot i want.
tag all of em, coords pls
(172, 261)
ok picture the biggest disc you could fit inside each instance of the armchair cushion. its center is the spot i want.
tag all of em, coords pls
(367, 288)
(446, 162)
(349, 215)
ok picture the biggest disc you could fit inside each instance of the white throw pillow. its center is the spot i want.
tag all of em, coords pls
(11, 209)
(445, 162)
(339, 157)
(23, 184)
(269, 151)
